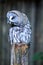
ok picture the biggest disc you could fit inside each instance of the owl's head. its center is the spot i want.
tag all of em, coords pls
(16, 18)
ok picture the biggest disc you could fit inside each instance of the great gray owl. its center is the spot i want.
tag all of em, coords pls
(21, 30)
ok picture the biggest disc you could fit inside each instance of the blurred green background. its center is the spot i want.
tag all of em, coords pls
(34, 11)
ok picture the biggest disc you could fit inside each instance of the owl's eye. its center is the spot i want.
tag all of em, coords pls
(13, 17)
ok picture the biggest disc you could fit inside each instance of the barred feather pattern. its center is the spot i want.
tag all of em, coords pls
(20, 34)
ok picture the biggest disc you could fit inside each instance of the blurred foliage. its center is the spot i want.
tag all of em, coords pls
(38, 56)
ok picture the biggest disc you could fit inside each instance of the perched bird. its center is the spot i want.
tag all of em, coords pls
(20, 30)
(19, 36)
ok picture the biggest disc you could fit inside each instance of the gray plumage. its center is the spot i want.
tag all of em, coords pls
(22, 31)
